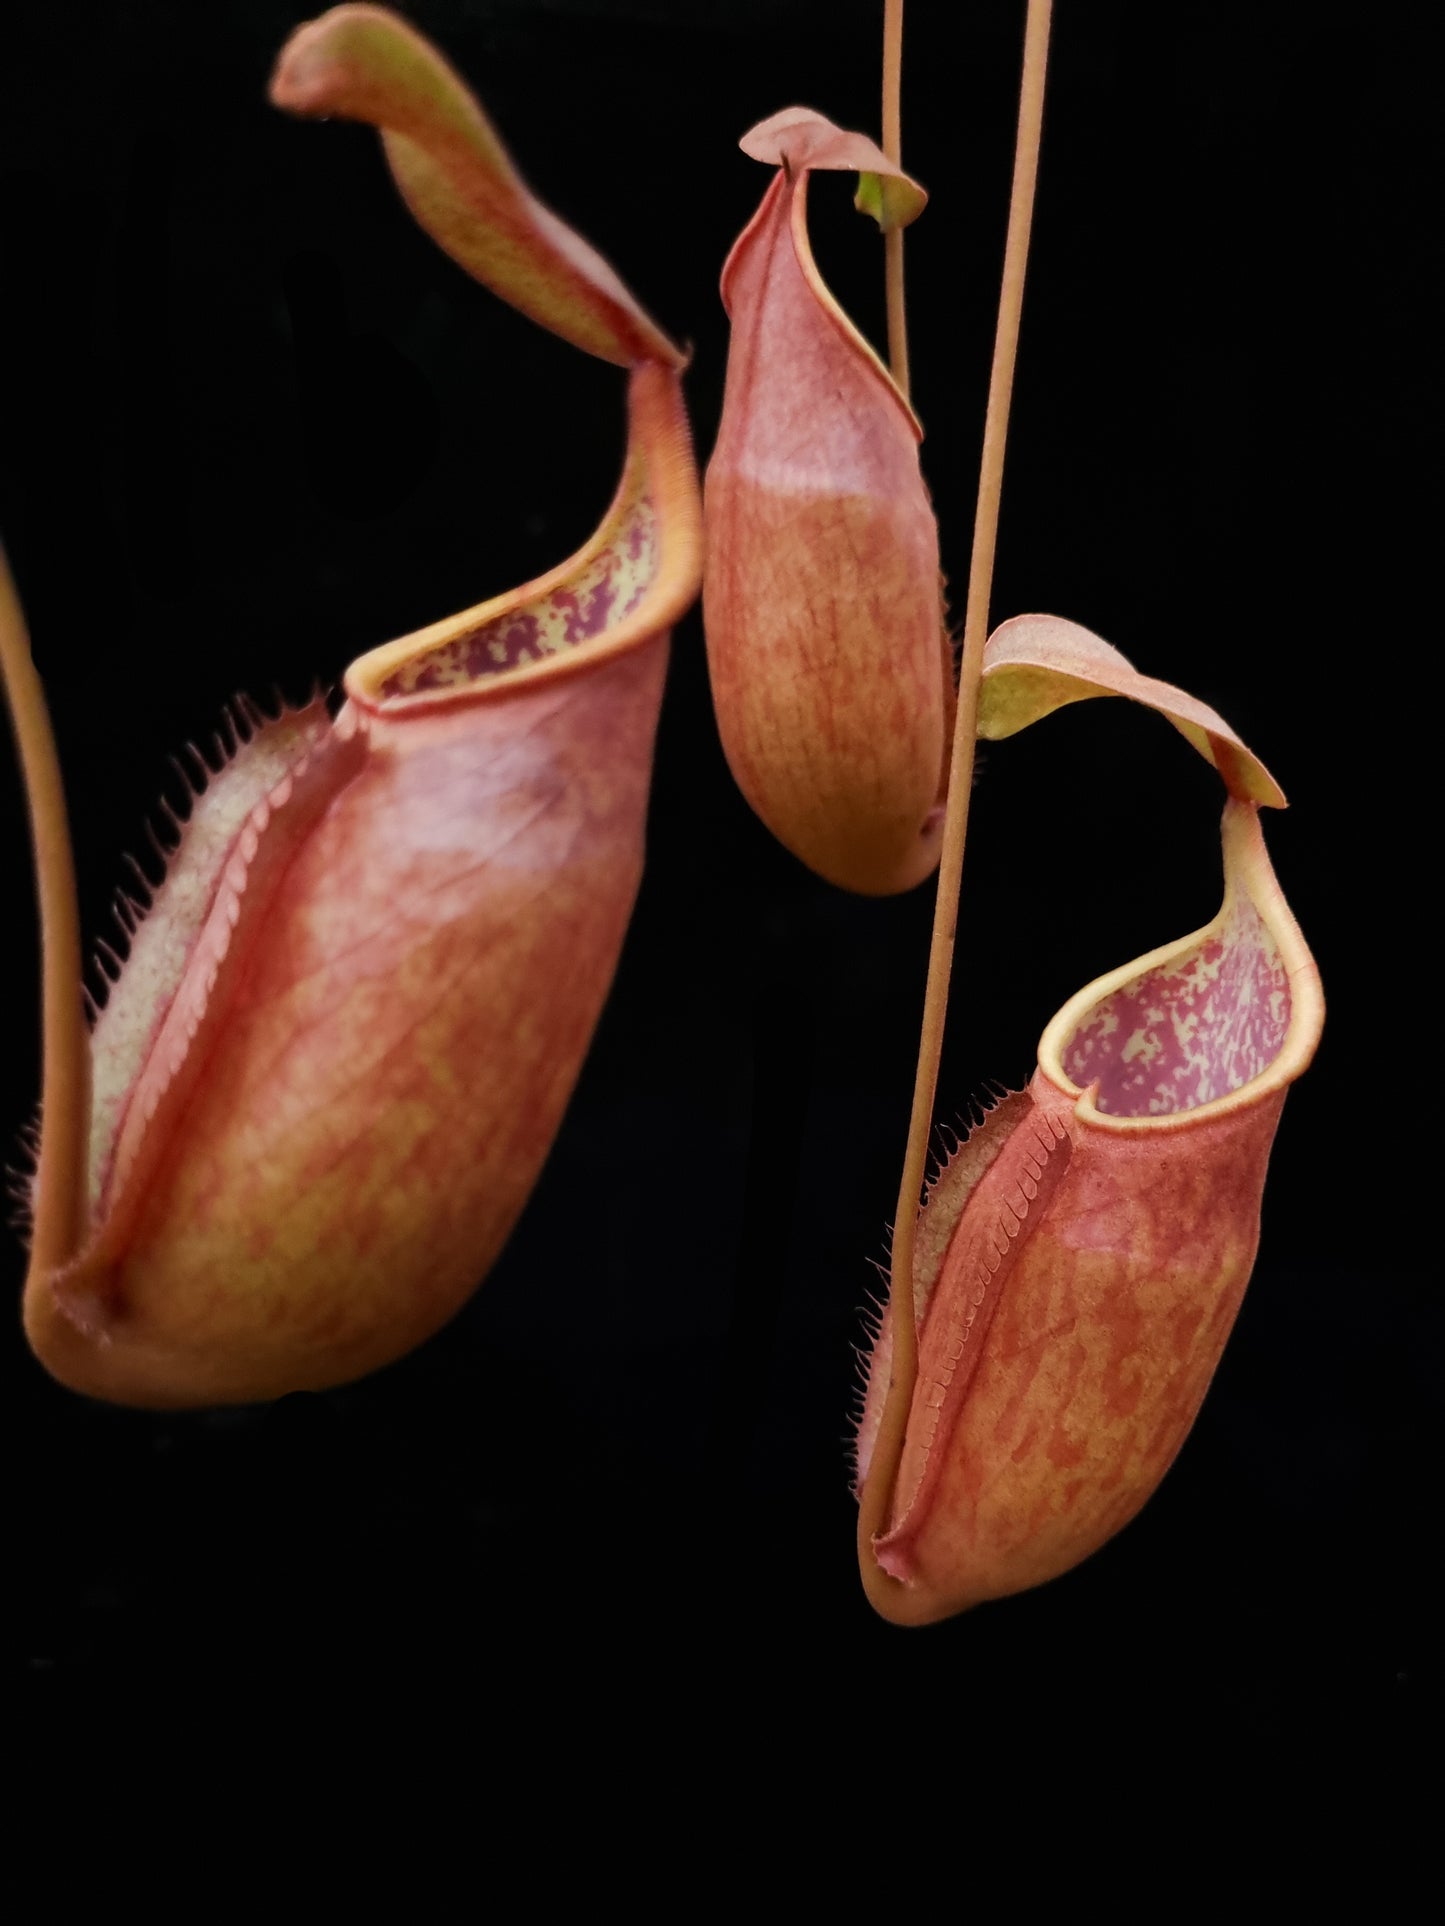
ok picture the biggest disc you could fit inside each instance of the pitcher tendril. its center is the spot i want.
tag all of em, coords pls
(878, 1488)
(893, 148)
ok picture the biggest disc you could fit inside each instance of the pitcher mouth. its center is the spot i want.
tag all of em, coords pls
(798, 142)
(1201, 1026)
(631, 581)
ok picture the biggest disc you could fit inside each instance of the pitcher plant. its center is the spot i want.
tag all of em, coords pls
(320, 1091)
(317, 1096)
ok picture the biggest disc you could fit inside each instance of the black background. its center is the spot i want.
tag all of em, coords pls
(254, 423)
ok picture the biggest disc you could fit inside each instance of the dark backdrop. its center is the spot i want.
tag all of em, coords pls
(254, 423)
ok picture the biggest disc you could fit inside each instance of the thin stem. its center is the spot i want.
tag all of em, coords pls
(878, 1491)
(65, 1087)
(893, 236)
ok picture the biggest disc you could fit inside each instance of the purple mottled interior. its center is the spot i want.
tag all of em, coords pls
(1202, 1025)
(598, 596)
